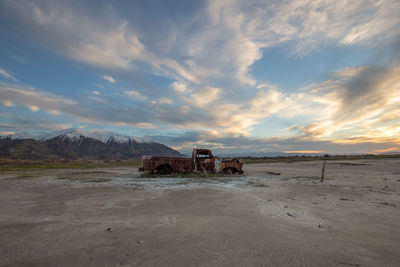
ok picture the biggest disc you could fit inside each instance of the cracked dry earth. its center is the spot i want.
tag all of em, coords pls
(115, 217)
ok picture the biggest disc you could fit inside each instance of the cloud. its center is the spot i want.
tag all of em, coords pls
(362, 104)
(20, 59)
(225, 39)
(85, 111)
(8, 103)
(108, 78)
(180, 87)
(35, 100)
(203, 97)
(5, 133)
(35, 108)
(136, 95)
(240, 118)
(106, 40)
(304, 151)
(30, 122)
(7, 75)
(355, 103)
(387, 150)
(246, 146)
(165, 100)
(209, 58)
(239, 31)
(345, 113)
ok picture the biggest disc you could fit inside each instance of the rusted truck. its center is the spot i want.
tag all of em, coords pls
(202, 161)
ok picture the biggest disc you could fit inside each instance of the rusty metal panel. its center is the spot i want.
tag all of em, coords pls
(177, 164)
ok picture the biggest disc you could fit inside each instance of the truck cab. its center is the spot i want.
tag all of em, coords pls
(203, 160)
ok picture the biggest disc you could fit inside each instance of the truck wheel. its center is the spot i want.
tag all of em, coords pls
(229, 171)
(164, 169)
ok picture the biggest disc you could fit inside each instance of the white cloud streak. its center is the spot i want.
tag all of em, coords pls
(228, 38)
(239, 31)
(136, 95)
(7, 75)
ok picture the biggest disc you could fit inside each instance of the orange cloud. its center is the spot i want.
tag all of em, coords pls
(391, 149)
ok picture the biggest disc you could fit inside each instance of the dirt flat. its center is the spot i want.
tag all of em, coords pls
(277, 214)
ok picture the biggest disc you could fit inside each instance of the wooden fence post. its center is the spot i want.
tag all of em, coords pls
(323, 170)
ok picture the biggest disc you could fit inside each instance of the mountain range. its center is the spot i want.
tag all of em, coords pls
(79, 144)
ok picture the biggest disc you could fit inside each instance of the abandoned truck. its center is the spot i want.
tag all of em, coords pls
(202, 161)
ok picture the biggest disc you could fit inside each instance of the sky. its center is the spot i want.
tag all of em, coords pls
(234, 76)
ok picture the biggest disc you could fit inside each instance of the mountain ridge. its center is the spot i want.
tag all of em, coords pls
(78, 144)
(102, 136)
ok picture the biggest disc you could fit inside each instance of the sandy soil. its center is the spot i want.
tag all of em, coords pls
(114, 217)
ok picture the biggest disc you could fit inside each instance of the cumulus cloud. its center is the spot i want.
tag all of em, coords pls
(203, 97)
(362, 104)
(179, 87)
(108, 78)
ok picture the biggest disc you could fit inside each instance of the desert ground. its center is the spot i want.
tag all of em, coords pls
(276, 214)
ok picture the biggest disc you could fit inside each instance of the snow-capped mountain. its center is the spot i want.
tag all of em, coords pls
(68, 133)
(106, 136)
(76, 143)
(74, 133)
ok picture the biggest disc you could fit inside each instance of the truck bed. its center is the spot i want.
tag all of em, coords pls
(150, 163)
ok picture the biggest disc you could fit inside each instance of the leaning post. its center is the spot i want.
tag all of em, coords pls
(323, 170)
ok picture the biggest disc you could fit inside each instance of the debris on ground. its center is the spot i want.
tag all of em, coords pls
(290, 215)
(350, 264)
(109, 229)
(257, 184)
(274, 173)
(347, 199)
(388, 204)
